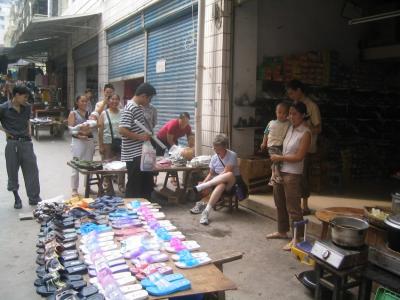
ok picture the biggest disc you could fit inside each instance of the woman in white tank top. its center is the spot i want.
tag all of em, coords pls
(287, 196)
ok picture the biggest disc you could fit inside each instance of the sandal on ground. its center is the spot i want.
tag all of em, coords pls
(288, 246)
(276, 236)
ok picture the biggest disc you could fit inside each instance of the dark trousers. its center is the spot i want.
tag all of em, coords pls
(20, 154)
(140, 184)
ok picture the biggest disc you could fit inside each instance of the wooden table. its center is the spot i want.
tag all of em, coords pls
(56, 128)
(205, 279)
(96, 177)
(327, 214)
(172, 171)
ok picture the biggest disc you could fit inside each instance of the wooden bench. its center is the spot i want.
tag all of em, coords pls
(219, 259)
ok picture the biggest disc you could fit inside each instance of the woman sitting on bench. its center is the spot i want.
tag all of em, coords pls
(222, 176)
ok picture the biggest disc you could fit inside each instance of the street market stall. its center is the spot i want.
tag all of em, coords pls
(128, 251)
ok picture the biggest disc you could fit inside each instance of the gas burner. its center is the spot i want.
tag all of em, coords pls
(338, 257)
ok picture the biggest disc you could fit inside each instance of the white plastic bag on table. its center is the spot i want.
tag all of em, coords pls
(148, 160)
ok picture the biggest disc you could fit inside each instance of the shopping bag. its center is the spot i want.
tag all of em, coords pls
(148, 159)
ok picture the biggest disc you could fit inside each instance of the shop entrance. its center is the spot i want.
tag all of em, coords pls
(351, 72)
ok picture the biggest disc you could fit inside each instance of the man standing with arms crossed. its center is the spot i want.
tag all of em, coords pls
(296, 92)
(14, 117)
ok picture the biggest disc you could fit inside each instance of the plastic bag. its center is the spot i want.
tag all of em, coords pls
(148, 160)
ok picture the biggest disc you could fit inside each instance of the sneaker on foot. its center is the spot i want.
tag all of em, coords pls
(198, 208)
(204, 219)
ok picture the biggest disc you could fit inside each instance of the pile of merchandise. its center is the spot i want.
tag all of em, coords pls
(87, 164)
(104, 249)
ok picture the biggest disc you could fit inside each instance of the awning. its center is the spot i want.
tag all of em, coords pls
(44, 33)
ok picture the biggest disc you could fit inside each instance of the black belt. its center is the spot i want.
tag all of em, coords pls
(20, 138)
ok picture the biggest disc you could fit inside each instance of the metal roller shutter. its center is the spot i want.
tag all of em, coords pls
(175, 42)
(126, 50)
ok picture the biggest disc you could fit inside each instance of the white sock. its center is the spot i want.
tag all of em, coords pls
(202, 186)
(207, 209)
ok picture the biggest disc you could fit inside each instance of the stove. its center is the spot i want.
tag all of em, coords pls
(338, 257)
(385, 258)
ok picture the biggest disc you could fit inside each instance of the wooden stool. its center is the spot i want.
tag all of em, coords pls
(228, 199)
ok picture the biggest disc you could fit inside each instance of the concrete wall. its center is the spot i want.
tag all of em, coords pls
(244, 73)
(289, 27)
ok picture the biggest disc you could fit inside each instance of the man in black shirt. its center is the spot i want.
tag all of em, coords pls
(14, 117)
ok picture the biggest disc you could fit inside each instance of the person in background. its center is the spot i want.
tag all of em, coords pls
(173, 130)
(82, 142)
(91, 100)
(103, 104)
(140, 184)
(14, 117)
(224, 170)
(109, 129)
(3, 94)
(273, 138)
(287, 196)
(296, 91)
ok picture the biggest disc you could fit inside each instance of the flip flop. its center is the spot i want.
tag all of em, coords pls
(288, 246)
(170, 278)
(193, 263)
(189, 245)
(130, 288)
(196, 255)
(129, 231)
(137, 295)
(276, 236)
(172, 287)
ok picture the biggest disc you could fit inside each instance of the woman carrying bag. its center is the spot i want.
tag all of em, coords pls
(109, 138)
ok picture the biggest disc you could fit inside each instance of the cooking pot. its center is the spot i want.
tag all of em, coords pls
(349, 232)
(393, 239)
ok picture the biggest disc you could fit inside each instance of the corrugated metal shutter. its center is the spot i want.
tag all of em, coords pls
(126, 50)
(175, 42)
(86, 54)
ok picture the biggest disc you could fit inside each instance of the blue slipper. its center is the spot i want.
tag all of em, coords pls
(172, 287)
(171, 277)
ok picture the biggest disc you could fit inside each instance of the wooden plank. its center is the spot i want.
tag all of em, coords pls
(25, 216)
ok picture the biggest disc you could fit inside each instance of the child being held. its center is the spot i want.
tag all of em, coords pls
(274, 135)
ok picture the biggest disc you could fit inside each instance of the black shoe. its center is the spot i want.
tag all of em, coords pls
(33, 202)
(195, 190)
(18, 204)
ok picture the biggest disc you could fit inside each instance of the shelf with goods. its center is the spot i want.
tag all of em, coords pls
(359, 130)
(359, 106)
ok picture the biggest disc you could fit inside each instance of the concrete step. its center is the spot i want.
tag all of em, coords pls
(265, 206)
